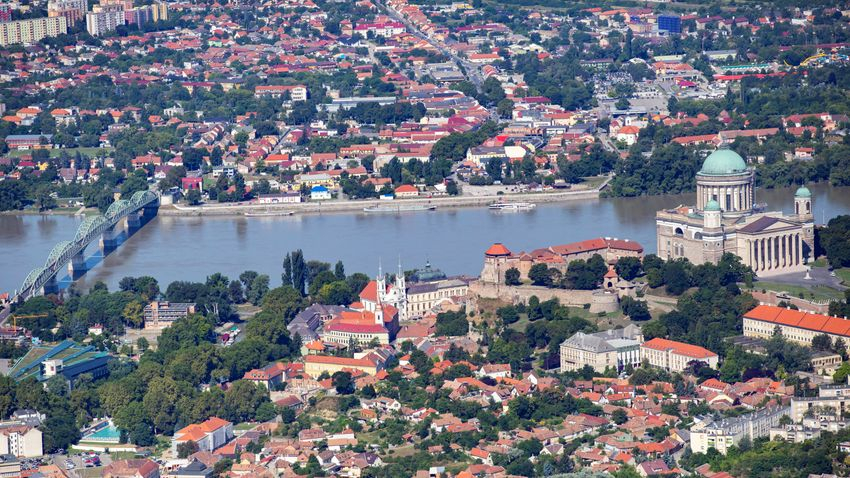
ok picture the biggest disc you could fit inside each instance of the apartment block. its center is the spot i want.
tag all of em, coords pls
(72, 10)
(32, 30)
(724, 434)
(161, 314)
(832, 401)
(104, 19)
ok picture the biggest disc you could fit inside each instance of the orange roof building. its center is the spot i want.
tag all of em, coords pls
(497, 249)
(675, 356)
(498, 259)
(315, 365)
(795, 325)
(208, 435)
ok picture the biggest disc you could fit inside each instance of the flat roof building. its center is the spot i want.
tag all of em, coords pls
(724, 434)
(67, 359)
(161, 314)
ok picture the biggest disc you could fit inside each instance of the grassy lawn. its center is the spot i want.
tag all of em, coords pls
(605, 321)
(402, 451)
(844, 274)
(814, 292)
(244, 426)
(593, 182)
(122, 455)
(56, 152)
(520, 324)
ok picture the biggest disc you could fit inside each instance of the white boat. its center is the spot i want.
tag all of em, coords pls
(512, 206)
(400, 208)
(268, 213)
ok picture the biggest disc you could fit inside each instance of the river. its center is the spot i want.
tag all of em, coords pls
(190, 248)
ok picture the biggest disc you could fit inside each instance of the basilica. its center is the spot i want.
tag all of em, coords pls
(726, 218)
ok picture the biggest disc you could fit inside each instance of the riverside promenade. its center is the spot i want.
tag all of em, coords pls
(348, 206)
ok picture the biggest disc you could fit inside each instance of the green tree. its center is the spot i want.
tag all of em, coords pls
(133, 314)
(628, 268)
(283, 301)
(142, 435)
(343, 383)
(619, 416)
(452, 324)
(512, 276)
(186, 448)
(539, 275)
(259, 288)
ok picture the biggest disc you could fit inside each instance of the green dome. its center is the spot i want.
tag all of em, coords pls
(723, 161)
(712, 205)
(803, 192)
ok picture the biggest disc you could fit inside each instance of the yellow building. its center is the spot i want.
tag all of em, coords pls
(794, 325)
(315, 365)
(32, 30)
(675, 356)
(317, 178)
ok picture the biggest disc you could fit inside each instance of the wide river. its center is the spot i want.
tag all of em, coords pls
(190, 248)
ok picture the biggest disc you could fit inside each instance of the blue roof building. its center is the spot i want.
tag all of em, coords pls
(67, 359)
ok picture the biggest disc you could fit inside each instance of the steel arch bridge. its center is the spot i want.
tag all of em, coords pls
(89, 230)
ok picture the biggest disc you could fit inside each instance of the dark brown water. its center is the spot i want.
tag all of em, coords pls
(184, 248)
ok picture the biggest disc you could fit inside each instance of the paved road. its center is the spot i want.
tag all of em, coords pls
(819, 276)
(473, 73)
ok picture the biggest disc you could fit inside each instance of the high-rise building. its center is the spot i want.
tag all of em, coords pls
(5, 12)
(146, 14)
(104, 19)
(31, 30)
(73, 10)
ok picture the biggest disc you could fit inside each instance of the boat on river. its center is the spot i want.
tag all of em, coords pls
(383, 208)
(268, 213)
(512, 206)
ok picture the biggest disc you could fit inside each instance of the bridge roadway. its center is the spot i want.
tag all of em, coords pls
(42, 280)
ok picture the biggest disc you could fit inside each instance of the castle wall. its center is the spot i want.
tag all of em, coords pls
(517, 294)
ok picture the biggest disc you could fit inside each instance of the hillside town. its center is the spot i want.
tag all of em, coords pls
(720, 349)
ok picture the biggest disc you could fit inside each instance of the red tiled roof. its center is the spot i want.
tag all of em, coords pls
(803, 320)
(356, 328)
(680, 348)
(497, 249)
(370, 292)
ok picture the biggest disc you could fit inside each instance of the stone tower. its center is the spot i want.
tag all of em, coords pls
(803, 204)
(712, 233)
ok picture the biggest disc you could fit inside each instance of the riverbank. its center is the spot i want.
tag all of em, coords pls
(341, 206)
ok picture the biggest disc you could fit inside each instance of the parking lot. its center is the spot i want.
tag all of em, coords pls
(83, 465)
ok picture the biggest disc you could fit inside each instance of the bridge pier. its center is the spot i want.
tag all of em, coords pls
(109, 240)
(77, 266)
(149, 211)
(50, 287)
(134, 222)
